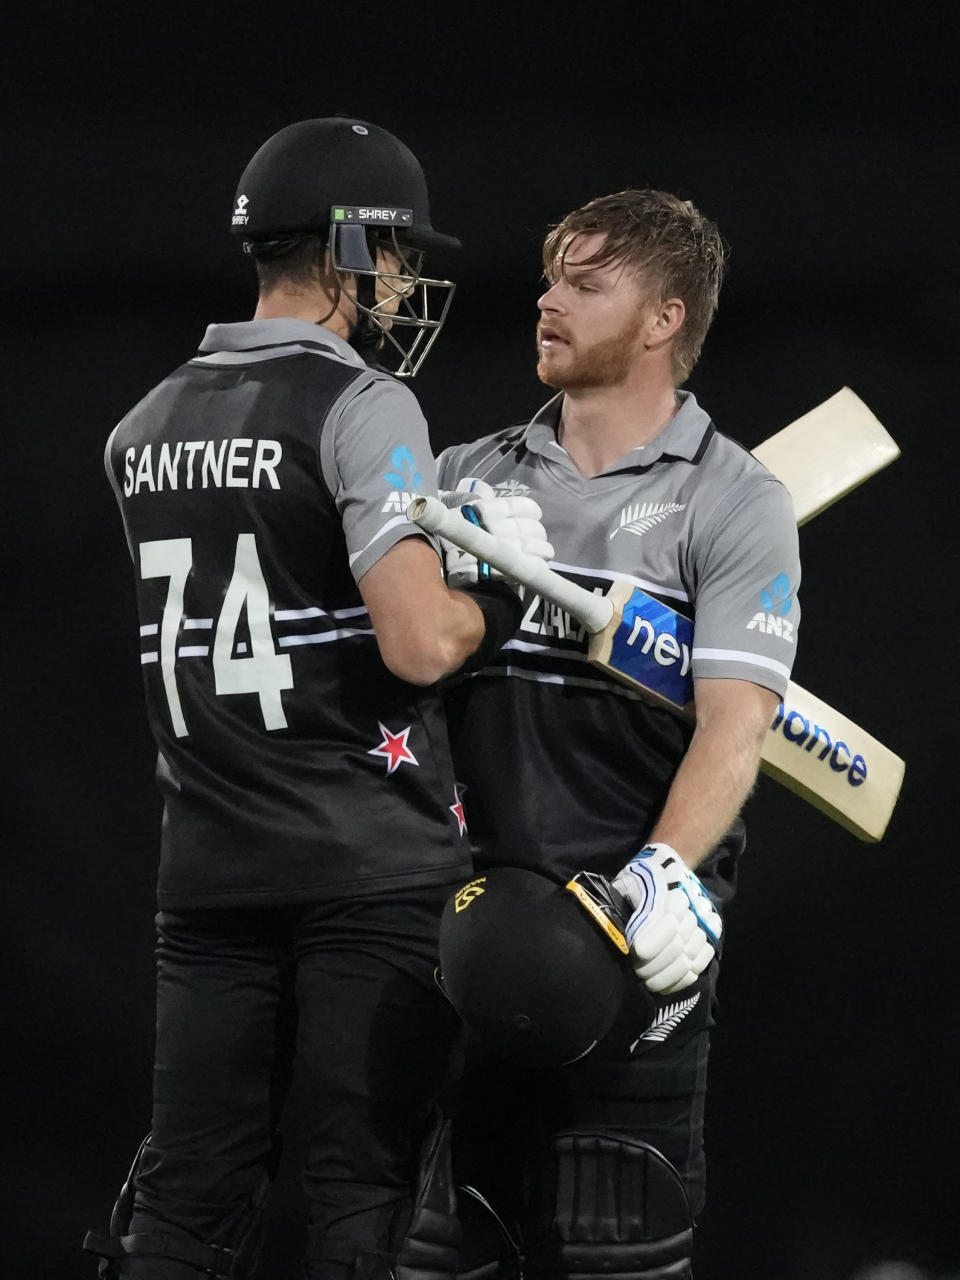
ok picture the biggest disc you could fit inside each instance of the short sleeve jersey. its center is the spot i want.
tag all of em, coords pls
(562, 767)
(258, 483)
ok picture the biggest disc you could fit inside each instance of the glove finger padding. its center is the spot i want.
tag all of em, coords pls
(673, 977)
(516, 528)
(529, 540)
(461, 567)
(515, 521)
(511, 517)
(674, 931)
(493, 510)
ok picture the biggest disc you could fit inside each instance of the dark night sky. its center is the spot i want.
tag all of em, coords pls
(824, 143)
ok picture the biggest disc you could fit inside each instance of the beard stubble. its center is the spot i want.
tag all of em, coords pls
(604, 364)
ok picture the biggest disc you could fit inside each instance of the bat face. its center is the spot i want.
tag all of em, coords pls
(810, 748)
(834, 764)
(647, 644)
(828, 452)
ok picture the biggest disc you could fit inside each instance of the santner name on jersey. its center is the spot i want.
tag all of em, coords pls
(206, 464)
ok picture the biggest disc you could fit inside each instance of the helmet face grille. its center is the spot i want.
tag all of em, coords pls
(400, 312)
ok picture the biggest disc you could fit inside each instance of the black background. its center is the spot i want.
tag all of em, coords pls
(823, 141)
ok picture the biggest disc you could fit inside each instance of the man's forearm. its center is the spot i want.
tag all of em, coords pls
(708, 792)
(719, 769)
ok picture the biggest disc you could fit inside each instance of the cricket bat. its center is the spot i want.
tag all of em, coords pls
(810, 748)
(828, 452)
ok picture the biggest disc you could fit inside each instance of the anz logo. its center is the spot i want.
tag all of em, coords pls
(404, 480)
(777, 602)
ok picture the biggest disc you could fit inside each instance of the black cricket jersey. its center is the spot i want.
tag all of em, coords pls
(563, 768)
(257, 484)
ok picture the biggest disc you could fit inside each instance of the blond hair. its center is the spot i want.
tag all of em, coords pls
(678, 252)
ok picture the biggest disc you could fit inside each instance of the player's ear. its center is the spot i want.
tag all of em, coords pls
(665, 320)
(669, 317)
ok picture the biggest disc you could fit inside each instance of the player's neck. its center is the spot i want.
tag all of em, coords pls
(314, 306)
(600, 425)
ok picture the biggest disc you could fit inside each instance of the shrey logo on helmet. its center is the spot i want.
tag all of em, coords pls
(364, 192)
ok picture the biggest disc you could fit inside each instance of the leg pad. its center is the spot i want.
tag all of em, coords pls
(609, 1209)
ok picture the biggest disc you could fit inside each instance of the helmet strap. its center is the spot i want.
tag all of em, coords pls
(367, 336)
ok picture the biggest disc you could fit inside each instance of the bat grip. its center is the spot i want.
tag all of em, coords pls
(594, 611)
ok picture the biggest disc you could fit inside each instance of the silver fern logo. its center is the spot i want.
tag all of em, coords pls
(641, 516)
(511, 489)
(667, 1020)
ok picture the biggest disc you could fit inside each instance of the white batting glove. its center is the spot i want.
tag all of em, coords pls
(675, 929)
(512, 520)
(460, 567)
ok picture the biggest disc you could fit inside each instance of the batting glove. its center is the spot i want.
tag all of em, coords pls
(674, 931)
(513, 520)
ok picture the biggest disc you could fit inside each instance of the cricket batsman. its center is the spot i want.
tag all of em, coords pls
(592, 1163)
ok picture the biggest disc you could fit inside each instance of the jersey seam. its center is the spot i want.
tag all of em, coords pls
(505, 442)
(333, 417)
(729, 495)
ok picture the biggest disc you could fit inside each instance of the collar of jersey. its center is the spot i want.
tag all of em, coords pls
(680, 438)
(268, 335)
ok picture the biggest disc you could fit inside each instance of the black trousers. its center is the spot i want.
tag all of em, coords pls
(641, 1083)
(373, 1031)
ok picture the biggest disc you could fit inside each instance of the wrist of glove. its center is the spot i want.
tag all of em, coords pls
(674, 929)
(502, 610)
(515, 521)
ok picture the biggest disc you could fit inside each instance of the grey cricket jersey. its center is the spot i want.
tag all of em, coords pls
(564, 768)
(257, 484)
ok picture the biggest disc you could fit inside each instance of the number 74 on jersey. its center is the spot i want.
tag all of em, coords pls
(262, 671)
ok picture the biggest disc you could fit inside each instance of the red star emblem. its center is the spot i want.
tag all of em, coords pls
(394, 748)
(457, 810)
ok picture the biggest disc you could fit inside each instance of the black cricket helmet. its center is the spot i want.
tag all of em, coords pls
(531, 975)
(363, 191)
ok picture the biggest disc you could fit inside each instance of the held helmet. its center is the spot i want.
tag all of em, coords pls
(531, 975)
(358, 187)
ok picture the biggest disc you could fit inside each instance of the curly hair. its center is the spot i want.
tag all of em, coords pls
(666, 240)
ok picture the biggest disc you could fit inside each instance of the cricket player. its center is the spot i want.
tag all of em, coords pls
(292, 626)
(563, 769)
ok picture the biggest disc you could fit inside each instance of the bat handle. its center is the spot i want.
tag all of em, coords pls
(594, 611)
